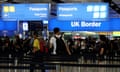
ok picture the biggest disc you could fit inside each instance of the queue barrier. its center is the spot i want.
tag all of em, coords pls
(56, 63)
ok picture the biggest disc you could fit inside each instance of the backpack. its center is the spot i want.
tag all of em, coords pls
(99, 45)
(60, 46)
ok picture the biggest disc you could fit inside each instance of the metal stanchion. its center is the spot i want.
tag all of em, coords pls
(9, 63)
(24, 64)
(16, 63)
(58, 68)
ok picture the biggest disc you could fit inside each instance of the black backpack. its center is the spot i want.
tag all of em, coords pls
(60, 46)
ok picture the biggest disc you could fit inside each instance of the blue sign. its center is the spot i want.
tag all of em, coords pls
(8, 25)
(1, 25)
(25, 11)
(79, 25)
(115, 24)
(83, 11)
(7, 33)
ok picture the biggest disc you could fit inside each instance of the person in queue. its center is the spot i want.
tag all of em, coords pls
(101, 45)
(57, 44)
(37, 56)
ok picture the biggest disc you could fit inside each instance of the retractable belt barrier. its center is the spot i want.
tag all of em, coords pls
(50, 62)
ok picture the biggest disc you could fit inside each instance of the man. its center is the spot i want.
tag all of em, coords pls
(37, 56)
(102, 45)
(58, 48)
(36, 44)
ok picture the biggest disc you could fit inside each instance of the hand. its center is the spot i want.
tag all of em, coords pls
(34, 50)
(69, 53)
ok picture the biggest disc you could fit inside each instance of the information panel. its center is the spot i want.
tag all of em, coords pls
(25, 11)
(83, 11)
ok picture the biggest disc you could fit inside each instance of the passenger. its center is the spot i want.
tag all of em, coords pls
(90, 43)
(116, 46)
(83, 50)
(118, 52)
(36, 46)
(57, 44)
(26, 45)
(101, 45)
(7, 46)
(42, 44)
(31, 45)
(70, 43)
(110, 51)
(37, 56)
(76, 48)
(17, 47)
(1, 47)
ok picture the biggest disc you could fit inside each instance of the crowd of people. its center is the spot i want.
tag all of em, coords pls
(95, 48)
(18, 47)
(89, 48)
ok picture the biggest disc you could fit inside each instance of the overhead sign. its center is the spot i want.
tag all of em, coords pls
(112, 25)
(79, 25)
(8, 25)
(115, 24)
(7, 33)
(83, 11)
(1, 25)
(25, 11)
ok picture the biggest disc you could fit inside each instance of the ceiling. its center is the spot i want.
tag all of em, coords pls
(113, 13)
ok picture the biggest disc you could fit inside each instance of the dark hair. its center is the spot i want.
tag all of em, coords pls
(102, 37)
(35, 33)
(56, 30)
